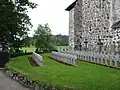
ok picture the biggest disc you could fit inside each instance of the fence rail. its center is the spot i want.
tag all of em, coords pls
(99, 58)
(65, 57)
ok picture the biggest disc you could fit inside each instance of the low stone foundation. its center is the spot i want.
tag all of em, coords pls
(27, 82)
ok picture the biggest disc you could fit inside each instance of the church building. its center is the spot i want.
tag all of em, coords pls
(94, 25)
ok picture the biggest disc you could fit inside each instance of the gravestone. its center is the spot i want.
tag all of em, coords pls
(37, 58)
(4, 54)
(4, 58)
(64, 57)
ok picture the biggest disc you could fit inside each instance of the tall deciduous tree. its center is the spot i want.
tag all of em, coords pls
(14, 21)
(43, 37)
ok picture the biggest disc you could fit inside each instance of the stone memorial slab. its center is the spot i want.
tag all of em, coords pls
(65, 57)
(37, 58)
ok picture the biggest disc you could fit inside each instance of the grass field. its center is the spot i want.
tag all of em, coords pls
(31, 49)
(60, 48)
(85, 76)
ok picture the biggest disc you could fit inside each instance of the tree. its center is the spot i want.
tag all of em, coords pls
(14, 21)
(44, 40)
(61, 40)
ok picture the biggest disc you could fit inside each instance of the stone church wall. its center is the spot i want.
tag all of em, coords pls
(90, 25)
(78, 25)
(96, 24)
(71, 29)
(116, 10)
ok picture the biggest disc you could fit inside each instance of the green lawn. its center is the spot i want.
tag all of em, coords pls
(31, 49)
(85, 76)
(60, 48)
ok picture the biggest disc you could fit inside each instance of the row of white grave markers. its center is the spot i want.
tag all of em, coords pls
(99, 58)
(64, 57)
(37, 58)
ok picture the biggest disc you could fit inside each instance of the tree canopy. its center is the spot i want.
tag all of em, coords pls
(44, 39)
(14, 21)
(61, 40)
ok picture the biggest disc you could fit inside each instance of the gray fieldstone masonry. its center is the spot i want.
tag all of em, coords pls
(71, 27)
(90, 25)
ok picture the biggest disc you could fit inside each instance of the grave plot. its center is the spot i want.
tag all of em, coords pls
(86, 76)
(109, 60)
(65, 58)
(35, 59)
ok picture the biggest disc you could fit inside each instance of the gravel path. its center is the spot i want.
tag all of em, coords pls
(8, 84)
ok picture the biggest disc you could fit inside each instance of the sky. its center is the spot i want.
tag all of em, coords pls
(51, 12)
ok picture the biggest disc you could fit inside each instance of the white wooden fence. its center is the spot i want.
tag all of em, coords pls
(37, 58)
(99, 58)
(65, 57)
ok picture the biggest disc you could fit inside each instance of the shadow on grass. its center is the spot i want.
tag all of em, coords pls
(61, 62)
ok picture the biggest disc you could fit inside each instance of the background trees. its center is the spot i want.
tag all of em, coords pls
(44, 40)
(15, 24)
(61, 40)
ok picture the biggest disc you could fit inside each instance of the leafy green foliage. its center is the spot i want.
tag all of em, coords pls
(85, 76)
(61, 40)
(43, 38)
(14, 21)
